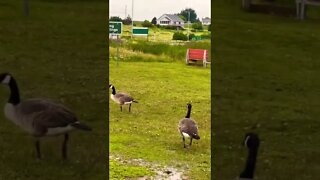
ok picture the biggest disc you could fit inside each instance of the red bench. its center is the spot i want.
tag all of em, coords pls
(198, 55)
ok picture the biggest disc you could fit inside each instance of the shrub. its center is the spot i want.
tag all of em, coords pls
(170, 27)
(197, 26)
(179, 36)
(206, 36)
(191, 36)
(115, 18)
(146, 23)
(127, 21)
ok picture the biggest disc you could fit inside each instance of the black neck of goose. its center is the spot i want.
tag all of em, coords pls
(113, 90)
(14, 96)
(188, 112)
(248, 172)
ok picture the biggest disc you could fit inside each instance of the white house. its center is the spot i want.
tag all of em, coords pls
(206, 21)
(170, 19)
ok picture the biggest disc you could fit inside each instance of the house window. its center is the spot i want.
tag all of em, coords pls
(164, 22)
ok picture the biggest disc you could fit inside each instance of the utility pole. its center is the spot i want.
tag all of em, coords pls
(188, 19)
(132, 21)
(188, 22)
(125, 12)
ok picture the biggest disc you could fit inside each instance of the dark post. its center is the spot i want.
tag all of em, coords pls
(118, 43)
(26, 7)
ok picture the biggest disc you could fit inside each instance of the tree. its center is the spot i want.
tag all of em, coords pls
(154, 21)
(146, 23)
(115, 18)
(182, 17)
(185, 14)
(197, 26)
(127, 21)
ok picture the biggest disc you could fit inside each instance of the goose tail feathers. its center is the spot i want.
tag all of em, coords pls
(81, 126)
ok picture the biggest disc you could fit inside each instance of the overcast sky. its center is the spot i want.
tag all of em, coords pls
(147, 9)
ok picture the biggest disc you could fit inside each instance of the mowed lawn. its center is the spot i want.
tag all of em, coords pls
(59, 53)
(150, 131)
(266, 79)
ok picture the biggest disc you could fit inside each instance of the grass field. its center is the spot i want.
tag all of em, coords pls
(266, 80)
(162, 35)
(163, 87)
(58, 52)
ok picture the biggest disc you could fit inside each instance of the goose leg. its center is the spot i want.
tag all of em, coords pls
(129, 107)
(184, 142)
(64, 146)
(120, 108)
(190, 141)
(38, 149)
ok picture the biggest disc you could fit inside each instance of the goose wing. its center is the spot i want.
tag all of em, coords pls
(44, 114)
(123, 98)
(188, 126)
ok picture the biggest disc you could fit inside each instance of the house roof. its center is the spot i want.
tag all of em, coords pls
(173, 17)
(206, 19)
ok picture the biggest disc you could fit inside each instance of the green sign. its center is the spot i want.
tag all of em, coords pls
(140, 31)
(196, 38)
(115, 28)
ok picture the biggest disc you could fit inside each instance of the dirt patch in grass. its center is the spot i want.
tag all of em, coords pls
(162, 172)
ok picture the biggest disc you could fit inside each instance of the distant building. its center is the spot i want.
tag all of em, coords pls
(206, 21)
(170, 20)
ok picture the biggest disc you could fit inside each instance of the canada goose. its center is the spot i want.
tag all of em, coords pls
(252, 142)
(39, 117)
(188, 127)
(121, 98)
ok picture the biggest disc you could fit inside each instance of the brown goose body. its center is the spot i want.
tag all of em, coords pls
(188, 127)
(121, 98)
(39, 117)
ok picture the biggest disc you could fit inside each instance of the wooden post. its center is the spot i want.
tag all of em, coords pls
(118, 42)
(298, 5)
(26, 7)
(187, 57)
(204, 58)
(303, 9)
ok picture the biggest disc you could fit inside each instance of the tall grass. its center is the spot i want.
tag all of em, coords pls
(173, 52)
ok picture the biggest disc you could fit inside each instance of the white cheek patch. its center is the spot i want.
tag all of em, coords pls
(6, 80)
(111, 87)
(246, 141)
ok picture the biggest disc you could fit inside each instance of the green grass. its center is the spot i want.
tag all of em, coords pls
(163, 51)
(58, 52)
(150, 130)
(161, 34)
(266, 80)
